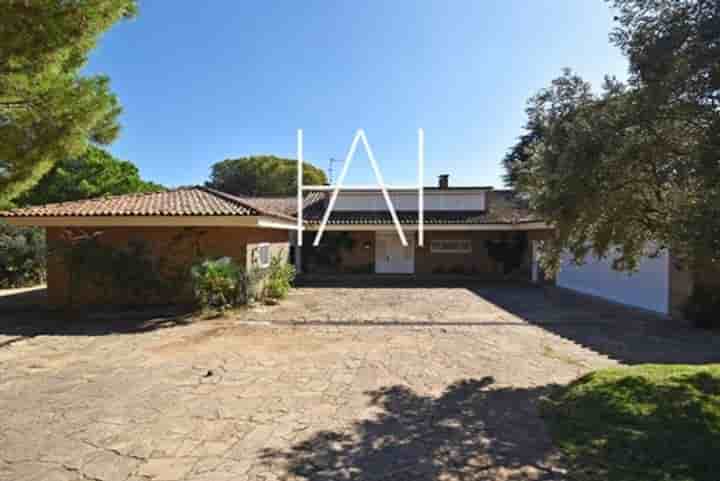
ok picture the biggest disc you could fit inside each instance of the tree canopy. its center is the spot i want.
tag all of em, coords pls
(637, 164)
(93, 174)
(48, 110)
(262, 175)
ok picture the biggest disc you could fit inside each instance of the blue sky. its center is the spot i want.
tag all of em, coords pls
(201, 83)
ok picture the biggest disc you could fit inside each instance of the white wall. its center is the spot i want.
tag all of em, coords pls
(647, 288)
(434, 200)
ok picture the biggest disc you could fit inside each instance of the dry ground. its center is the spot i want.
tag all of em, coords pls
(425, 383)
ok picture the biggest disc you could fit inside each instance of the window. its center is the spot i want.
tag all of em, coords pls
(263, 258)
(451, 246)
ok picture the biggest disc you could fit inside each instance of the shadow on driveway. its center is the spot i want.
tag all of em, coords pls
(471, 431)
(24, 313)
(628, 335)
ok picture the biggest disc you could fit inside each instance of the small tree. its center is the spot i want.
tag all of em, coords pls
(637, 165)
(48, 109)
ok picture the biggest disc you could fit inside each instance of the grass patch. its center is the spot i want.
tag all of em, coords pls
(649, 422)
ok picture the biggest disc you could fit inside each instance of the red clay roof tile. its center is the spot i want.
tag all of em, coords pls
(183, 201)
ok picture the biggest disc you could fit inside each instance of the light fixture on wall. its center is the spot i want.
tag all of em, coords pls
(367, 245)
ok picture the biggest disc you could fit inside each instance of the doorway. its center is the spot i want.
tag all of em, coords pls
(391, 257)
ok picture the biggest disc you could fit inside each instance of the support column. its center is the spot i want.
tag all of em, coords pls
(535, 270)
(298, 251)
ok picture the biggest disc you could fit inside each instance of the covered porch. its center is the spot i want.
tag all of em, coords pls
(469, 252)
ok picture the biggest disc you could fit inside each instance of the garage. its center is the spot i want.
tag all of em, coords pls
(646, 288)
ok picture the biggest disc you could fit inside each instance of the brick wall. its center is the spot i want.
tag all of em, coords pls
(330, 258)
(361, 258)
(476, 262)
(173, 249)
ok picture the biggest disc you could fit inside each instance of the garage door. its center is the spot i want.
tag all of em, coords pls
(647, 288)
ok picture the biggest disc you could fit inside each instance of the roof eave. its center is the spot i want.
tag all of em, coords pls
(262, 221)
(498, 226)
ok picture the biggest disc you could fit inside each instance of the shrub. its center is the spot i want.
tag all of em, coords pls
(22, 256)
(125, 275)
(280, 276)
(703, 307)
(218, 283)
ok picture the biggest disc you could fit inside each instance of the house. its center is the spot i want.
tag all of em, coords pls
(142, 242)
(136, 246)
(469, 231)
(475, 231)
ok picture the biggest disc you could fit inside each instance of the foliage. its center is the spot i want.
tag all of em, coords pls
(329, 255)
(48, 110)
(262, 175)
(217, 283)
(279, 278)
(639, 423)
(508, 253)
(22, 256)
(637, 163)
(703, 307)
(95, 173)
(131, 273)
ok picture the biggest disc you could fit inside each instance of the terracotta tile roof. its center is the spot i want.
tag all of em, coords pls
(284, 205)
(503, 207)
(183, 201)
(405, 217)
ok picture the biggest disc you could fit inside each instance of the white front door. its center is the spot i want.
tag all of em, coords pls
(390, 255)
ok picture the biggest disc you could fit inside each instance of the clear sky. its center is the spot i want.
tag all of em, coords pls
(204, 81)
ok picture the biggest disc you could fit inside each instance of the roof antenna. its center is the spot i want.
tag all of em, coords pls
(331, 170)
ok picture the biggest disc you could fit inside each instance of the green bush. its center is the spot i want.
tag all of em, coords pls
(218, 283)
(22, 256)
(279, 278)
(703, 307)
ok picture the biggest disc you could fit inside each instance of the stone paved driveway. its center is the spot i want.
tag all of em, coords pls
(426, 383)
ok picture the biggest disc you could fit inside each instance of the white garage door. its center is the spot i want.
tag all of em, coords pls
(647, 288)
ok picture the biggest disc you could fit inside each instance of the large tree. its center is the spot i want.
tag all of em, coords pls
(262, 175)
(637, 164)
(93, 174)
(48, 109)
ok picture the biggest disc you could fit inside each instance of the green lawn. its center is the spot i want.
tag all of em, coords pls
(643, 423)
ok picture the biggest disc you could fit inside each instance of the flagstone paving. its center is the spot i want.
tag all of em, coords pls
(333, 384)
